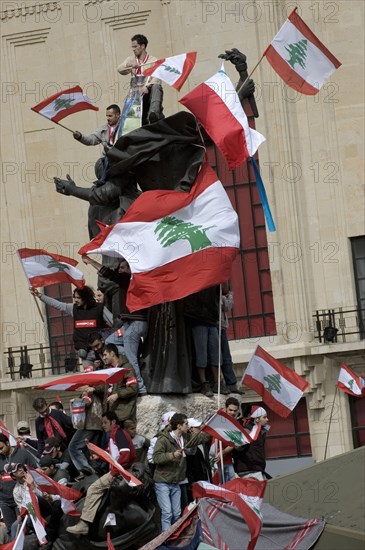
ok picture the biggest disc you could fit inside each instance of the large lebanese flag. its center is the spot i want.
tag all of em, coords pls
(176, 243)
(299, 57)
(280, 387)
(43, 268)
(246, 494)
(350, 383)
(173, 70)
(216, 105)
(62, 104)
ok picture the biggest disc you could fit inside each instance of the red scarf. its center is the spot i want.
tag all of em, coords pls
(139, 69)
(52, 426)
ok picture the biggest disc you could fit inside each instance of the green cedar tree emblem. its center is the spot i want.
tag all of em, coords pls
(298, 53)
(172, 229)
(62, 103)
(170, 69)
(235, 436)
(350, 383)
(57, 265)
(274, 383)
(31, 511)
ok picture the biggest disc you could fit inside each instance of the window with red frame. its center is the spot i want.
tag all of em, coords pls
(288, 437)
(253, 311)
(60, 328)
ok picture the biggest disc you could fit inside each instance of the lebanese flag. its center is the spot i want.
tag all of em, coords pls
(226, 428)
(104, 455)
(30, 503)
(18, 543)
(173, 70)
(280, 387)
(176, 243)
(216, 105)
(246, 494)
(62, 104)
(4, 430)
(43, 268)
(51, 487)
(350, 383)
(299, 57)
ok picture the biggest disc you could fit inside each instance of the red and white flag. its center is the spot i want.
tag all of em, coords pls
(350, 383)
(280, 387)
(43, 268)
(246, 494)
(104, 455)
(4, 430)
(173, 70)
(226, 428)
(62, 104)
(51, 487)
(30, 504)
(299, 57)
(182, 242)
(216, 105)
(71, 382)
(18, 543)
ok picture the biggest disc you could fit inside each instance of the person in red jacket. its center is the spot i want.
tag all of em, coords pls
(121, 449)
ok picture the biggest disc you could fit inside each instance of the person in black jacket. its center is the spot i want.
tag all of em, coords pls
(249, 460)
(51, 423)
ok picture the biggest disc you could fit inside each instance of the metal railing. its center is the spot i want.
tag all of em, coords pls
(38, 362)
(339, 324)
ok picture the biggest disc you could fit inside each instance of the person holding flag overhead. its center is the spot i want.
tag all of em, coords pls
(150, 89)
(107, 134)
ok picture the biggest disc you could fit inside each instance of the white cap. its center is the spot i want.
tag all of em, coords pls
(194, 423)
(257, 412)
(165, 420)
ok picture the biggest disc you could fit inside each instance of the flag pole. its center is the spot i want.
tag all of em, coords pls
(58, 123)
(249, 76)
(39, 309)
(329, 426)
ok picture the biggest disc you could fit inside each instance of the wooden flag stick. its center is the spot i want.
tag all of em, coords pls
(58, 123)
(39, 309)
(249, 76)
(329, 426)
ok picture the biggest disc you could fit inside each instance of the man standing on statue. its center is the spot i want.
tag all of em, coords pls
(149, 88)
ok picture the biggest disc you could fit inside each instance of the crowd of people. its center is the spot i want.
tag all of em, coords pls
(180, 454)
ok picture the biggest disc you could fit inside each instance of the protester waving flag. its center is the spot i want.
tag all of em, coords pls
(299, 57)
(182, 242)
(173, 70)
(216, 105)
(280, 387)
(350, 383)
(246, 494)
(43, 268)
(63, 104)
